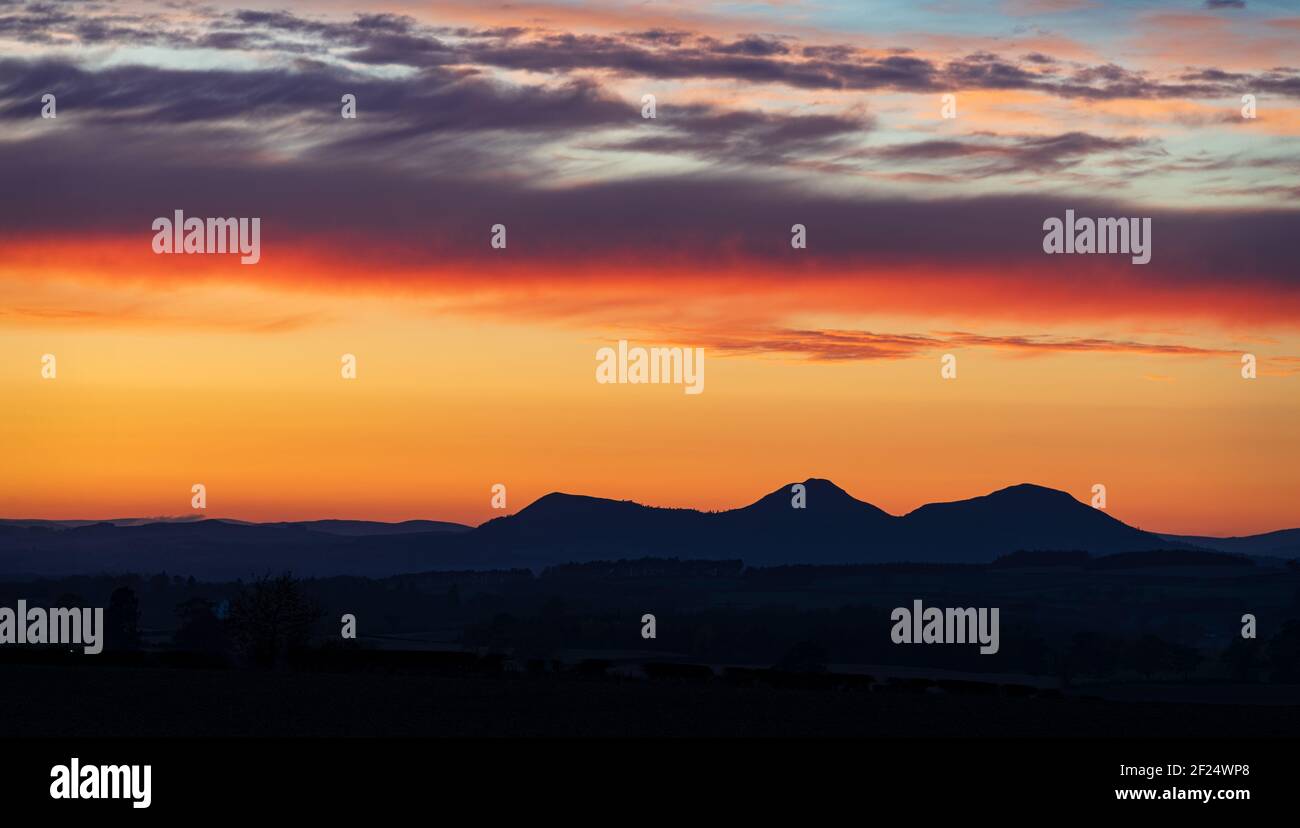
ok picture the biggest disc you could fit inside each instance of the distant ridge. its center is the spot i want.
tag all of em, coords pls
(832, 528)
(1284, 543)
(328, 526)
(361, 528)
(73, 524)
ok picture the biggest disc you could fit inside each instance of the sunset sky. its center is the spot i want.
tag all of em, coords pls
(476, 366)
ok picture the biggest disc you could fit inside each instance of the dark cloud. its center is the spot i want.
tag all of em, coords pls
(112, 180)
(997, 155)
(396, 40)
(664, 36)
(754, 46)
(985, 71)
(286, 21)
(753, 137)
(429, 102)
(421, 113)
(403, 49)
(151, 95)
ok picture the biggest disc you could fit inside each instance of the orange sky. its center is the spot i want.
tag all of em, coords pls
(447, 404)
(477, 365)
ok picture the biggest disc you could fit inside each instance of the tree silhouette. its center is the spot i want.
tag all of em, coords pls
(200, 630)
(1242, 658)
(270, 619)
(122, 621)
(1284, 653)
(1093, 654)
(70, 600)
(1154, 655)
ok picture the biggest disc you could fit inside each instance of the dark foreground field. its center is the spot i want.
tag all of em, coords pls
(111, 701)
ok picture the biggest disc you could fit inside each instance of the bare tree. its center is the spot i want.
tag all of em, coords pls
(270, 619)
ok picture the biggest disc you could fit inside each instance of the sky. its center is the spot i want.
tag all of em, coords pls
(476, 365)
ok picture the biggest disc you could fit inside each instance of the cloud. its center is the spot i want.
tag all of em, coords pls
(387, 40)
(851, 345)
(137, 316)
(447, 147)
(997, 155)
(754, 137)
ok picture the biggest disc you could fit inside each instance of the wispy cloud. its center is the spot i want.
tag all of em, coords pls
(850, 345)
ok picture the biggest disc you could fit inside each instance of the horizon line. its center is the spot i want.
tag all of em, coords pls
(146, 520)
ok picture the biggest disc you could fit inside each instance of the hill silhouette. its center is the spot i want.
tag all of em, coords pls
(1284, 543)
(1021, 517)
(833, 527)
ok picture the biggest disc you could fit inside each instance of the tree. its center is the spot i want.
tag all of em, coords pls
(1242, 658)
(270, 619)
(1154, 655)
(71, 599)
(200, 630)
(122, 621)
(1183, 660)
(1093, 654)
(1284, 653)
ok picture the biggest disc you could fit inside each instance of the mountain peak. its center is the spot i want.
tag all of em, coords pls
(1025, 491)
(564, 505)
(821, 496)
(1010, 500)
(821, 484)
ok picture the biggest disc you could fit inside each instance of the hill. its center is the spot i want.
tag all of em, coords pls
(832, 527)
